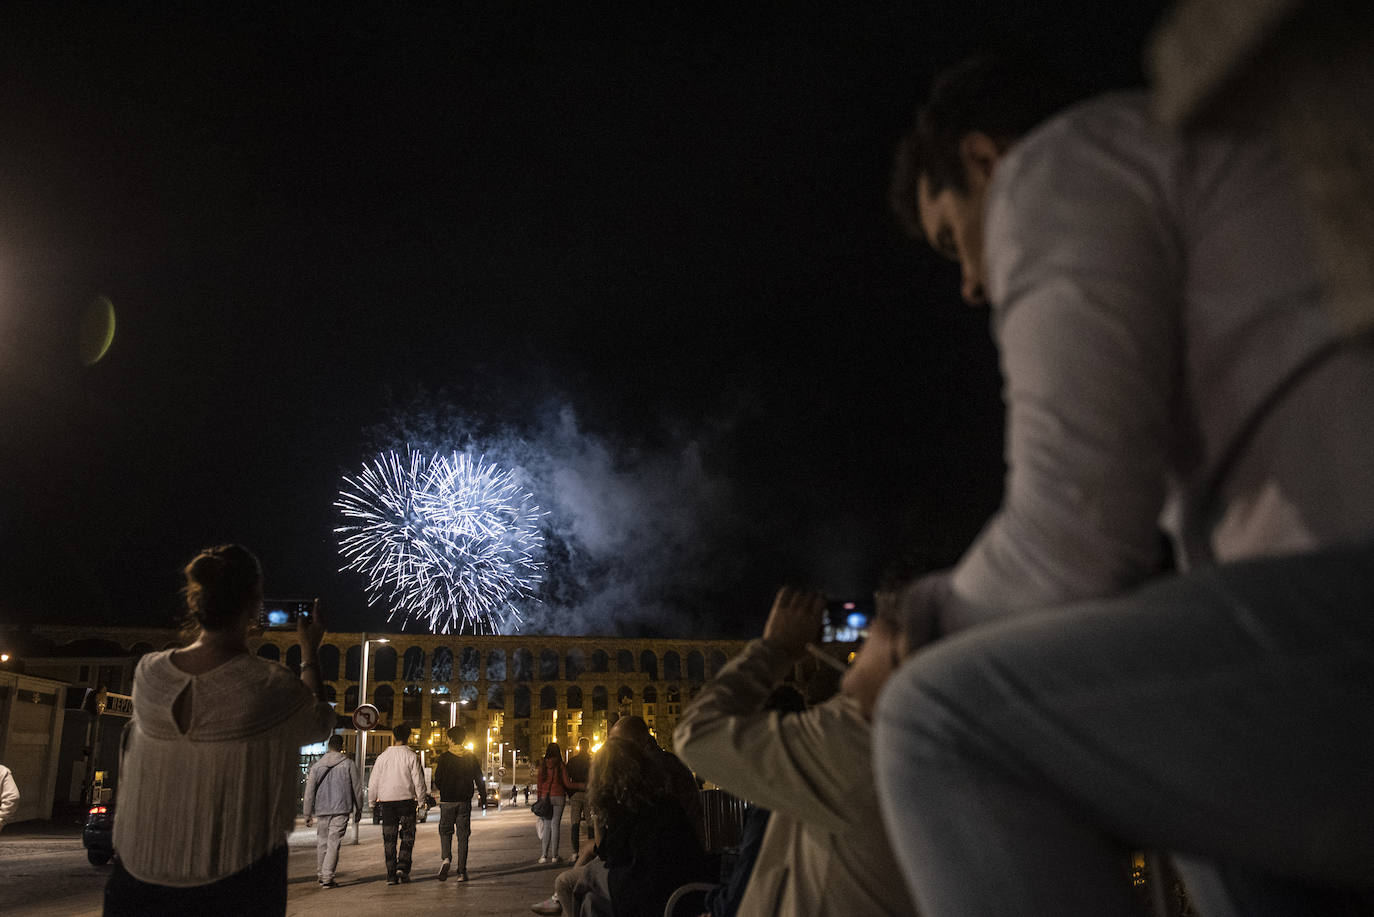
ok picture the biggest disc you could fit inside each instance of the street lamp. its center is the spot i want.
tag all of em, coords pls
(362, 733)
(453, 710)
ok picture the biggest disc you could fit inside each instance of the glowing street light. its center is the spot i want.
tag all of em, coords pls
(362, 733)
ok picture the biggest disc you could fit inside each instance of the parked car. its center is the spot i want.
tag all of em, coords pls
(97, 835)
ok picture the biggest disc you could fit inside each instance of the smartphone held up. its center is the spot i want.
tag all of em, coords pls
(846, 620)
(283, 614)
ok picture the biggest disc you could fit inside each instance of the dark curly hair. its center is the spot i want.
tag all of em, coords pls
(220, 583)
(624, 778)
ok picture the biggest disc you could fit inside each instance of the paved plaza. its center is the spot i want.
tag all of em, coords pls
(44, 873)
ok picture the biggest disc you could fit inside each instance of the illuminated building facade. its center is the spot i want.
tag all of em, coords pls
(513, 694)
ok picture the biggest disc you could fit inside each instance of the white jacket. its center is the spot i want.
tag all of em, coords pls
(396, 776)
(9, 795)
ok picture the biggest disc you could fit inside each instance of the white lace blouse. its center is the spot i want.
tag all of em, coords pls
(196, 806)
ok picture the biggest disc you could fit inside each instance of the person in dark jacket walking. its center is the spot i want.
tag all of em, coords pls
(456, 777)
(578, 771)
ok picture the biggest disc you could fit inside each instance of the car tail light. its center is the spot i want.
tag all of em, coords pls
(97, 810)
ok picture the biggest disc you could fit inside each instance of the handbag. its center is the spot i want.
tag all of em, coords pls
(543, 807)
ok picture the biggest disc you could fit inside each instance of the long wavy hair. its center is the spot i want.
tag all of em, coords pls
(552, 762)
(624, 779)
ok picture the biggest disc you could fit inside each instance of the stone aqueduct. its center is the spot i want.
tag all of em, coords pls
(521, 691)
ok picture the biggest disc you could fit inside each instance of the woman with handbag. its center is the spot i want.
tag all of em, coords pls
(548, 808)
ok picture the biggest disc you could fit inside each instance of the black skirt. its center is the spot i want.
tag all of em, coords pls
(258, 890)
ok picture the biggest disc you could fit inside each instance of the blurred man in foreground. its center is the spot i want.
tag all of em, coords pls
(1166, 364)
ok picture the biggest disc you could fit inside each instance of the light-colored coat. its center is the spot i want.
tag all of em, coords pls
(396, 776)
(333, 787)
(9, 795)
(824, 851)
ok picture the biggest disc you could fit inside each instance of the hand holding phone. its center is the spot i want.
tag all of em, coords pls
(794, 619)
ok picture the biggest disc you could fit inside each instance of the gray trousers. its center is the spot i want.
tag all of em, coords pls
(577, 810)
(548, 844)
(1226, 714)
(455, 817)
(584, 891)
(329, 831)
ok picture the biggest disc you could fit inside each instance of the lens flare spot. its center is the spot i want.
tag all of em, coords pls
(96, 332)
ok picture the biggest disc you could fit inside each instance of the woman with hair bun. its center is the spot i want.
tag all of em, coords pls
(208, 780)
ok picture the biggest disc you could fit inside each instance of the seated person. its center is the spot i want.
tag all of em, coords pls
(647, 842)
(644, 846)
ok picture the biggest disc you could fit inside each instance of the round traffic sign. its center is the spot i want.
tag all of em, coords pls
(366, 716)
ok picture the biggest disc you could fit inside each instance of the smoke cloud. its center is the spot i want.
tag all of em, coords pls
(639, 537)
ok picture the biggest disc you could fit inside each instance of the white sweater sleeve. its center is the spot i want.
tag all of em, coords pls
(9, 795)
(1085, 282)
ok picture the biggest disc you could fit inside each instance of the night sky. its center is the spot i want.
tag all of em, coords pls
(646, 260)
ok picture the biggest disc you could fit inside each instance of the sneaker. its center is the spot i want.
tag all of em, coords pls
(329, 883)
(545, 860)
(463, 876)
(405, 877)
(392, 880)
(443, 869)
(549, 906)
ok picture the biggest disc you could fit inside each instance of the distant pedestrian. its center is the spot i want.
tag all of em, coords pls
(579, 769)
(553, 785)
(9, 795)
(333, 791)
(397, 788)
(527, 794)
(456, 776)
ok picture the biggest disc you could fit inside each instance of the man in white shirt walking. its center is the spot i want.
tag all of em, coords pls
(397, 788)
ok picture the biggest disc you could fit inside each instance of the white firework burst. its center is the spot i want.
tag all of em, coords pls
(453, 540)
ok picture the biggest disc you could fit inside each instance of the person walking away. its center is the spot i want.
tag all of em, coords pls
(579, 770)
(207, 793)
(456, 776)
(333, 790)
(397, 787)
(552, 781)
(9, 795)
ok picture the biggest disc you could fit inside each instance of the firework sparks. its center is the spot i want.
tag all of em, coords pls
(451, 540)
